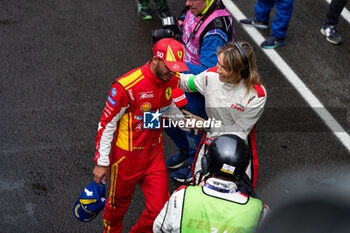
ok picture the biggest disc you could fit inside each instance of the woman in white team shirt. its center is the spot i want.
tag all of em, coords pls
(234, 101)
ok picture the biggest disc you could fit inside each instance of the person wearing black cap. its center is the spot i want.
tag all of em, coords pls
(217, 206)
(130, 146)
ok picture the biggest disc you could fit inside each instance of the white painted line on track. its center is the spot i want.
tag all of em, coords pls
(293, 79)
(345, 13)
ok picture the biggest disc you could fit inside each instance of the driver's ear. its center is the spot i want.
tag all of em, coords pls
(154, 60)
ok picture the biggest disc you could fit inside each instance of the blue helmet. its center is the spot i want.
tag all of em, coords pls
(91, 201)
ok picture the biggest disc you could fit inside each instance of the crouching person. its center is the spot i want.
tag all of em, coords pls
(217, 206)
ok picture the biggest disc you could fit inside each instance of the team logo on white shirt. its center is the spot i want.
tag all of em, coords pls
(238, 107)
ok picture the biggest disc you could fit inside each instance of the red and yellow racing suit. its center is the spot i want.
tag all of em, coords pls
(134, 155)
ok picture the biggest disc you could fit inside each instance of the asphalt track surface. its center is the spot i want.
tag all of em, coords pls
(57, 62)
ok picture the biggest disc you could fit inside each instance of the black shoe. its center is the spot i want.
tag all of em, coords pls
(255, 23)
(163, 8)
(144, 9)
(331, 34)
(183, 174)
(272, 42)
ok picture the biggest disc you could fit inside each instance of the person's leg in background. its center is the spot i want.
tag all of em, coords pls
(332, 17)
(279, 26)
(263, 9)
(284, 10)
(196, 106)
(145, 12)
(334, 10)
(262, 14)
(179, 137)
(163, 9)
(144, 9)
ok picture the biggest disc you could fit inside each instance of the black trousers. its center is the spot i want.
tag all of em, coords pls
(334, 11)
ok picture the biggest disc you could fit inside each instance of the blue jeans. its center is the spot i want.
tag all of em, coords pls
(284, 9)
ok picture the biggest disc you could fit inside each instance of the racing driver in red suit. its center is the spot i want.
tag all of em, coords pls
(135, 154)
